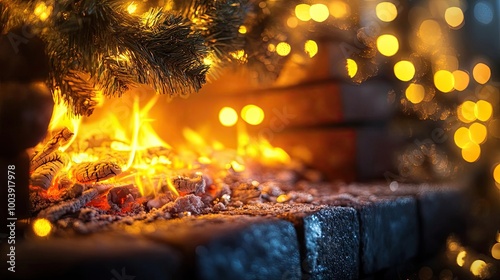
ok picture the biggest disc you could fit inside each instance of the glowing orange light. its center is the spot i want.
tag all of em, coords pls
(404, 70)
(42, 11)
(228, 116)
(471, 152)
(319, 12)
(466, 111)
(252, 114)
(462, 137)
(42, 227)
(454, 16)
(242, 29)
(478, 133)
(352, 68)
(339, 9)
(386, 11)
(483, 110)
(387, 44)
(132, 8)
(461, 80)
(311, 48)
(481, 73)
(461, 258)
(283, 48)
(415, 93)
(444, 80)
(495, 251)
(478, 268)
(302, 12)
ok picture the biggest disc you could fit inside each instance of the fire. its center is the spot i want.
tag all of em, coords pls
(123, 136)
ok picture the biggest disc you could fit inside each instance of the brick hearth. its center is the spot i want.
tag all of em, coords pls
(351, 235)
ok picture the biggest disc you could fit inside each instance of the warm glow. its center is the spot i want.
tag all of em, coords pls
(461, 80)
(386, 11)
(478, 133)
(461, 137)
(444, 80)
(132, 8)
(481, 73)
(311, 48)
(352, 68)
(228, 116)
(496, 174)
(479, 268)
(495, 250)
(415, 93)
(319, 12)
(404, 70)
(271, 47)
(283, 48)
(302, 12)
(242, 29)
(239, 55)
(387, 44)
(471, 152)
(292, 22)
(208, 61)
(430, 32)
(339, 9)
(252, 114)
(42, 11)
(461, 258)
(466, 111)
(42, 227)
(454, 16)
(483, 110)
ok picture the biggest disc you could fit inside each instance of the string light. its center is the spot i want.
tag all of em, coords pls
(319, 12)
(386, 11)
(387, 44)
(404, 70)
(415, 93)
(454, 16)
(228, 116)
(302, 12)
(352, 68)
(283, 48)
(311, 48)
(444, 80)
(481, 73)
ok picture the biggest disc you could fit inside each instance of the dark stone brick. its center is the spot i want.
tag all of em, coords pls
(100, 256)
(328, 237)
(232, 247)
(331, 244)
(389, 233)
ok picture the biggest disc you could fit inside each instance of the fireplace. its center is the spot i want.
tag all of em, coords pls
(338, 154)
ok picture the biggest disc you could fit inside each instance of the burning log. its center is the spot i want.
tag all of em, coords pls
(91, 172)
(48, 150)
(57, 211)
(119, 196)
(188, 185)
(44, 174)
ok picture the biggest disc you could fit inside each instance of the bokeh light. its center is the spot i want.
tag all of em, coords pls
(339, 9)
(461, 137)
(311, 48)
(478, 133)
(461, 258)
(228, 116)
(481, 73)
(444, 81)
(495, 251)
(302, 12)
(471, 152)
(242, 29)
(387, 44)
(386, 11)
(319, 12)
(404, 70)
(479, 268)
(283, 48)
(461, 80)
(415, 93)
(483, 110)
(430, 32)
(352, 68)
(42, 227)
(454, 16)
(483, 12)
(466, 111)
(252, 114)
(496, 174)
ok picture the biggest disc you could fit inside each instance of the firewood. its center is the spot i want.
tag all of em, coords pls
(119, 196)
(45, 174)
(50, 147)
(90, 172)
(57, 211)
(189, 185)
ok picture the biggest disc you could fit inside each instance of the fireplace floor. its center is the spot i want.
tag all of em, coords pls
(353, 232)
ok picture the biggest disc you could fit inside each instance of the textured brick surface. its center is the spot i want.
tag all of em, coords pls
(234, 247)
(101, 256)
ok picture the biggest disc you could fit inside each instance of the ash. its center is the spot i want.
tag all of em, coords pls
(84, 208)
